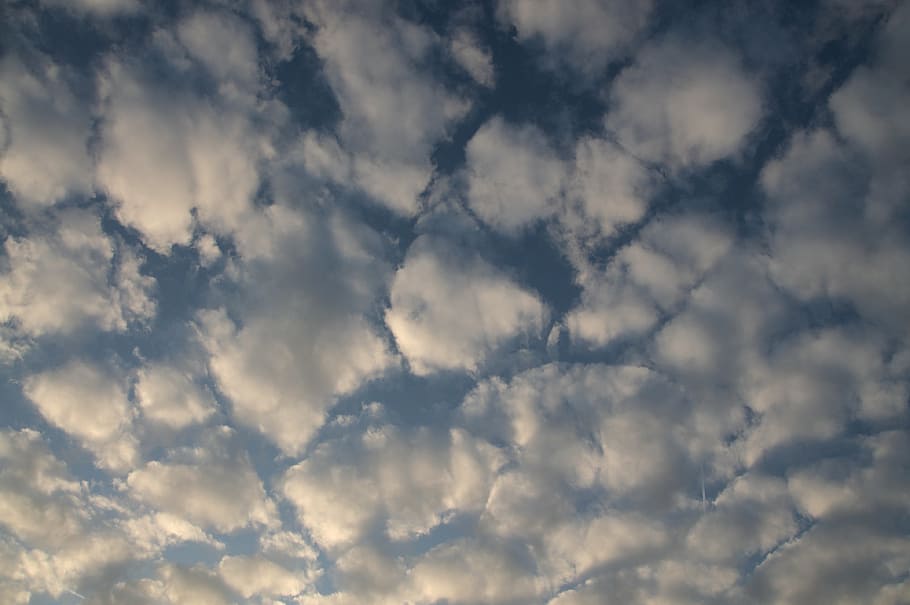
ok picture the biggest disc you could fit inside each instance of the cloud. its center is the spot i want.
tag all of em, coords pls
(168, 155)
(212, 485)
(724, 324)
(303, 339)
(390, 158)
(647, 279)
(514, 177)
(170, 396)
(835, 564)
(835, 203)
(194, 584)
(472, 572)
(325, 383)
(38, 494)
(99, 8)
(404, 481)
(91, 404)
(45, 129)
(225, 45)
(449, 314)
(257, 576)
(612, 186)
(684, 104)
(588, 37)
(754, 514)
(473, 57)
(70, 276)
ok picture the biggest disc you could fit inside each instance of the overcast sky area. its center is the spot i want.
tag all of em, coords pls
(491, 302)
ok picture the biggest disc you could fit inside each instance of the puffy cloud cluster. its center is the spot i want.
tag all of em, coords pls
(301, 339)
(431, 347)
(91, 404)
(588, 37)
(452, 313)
(170, 159)
(67, 277)
(45, 130)
(394, 110)
(684, 104)
(515, 177)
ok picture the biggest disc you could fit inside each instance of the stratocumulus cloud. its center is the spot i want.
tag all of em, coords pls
(494, 302)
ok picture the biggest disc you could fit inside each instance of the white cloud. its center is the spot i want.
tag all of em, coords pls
(472, 572)
(514, 177)
(472, 57)
(170, 396)
(684, 104)
(91, 404)
(45, 148)
(225, 45)
(754, 514)
(722, 327)
(38, 497)
(258, 576)
(575, 549)
(829, 239)
(835, 563)
(303, 339)
(811, 387)
(100, 8)
(164, 153)
(209, 250)
(212, 485)
(195, 584)
(75, 276)
(394, 110)
(574, 438)
(406, 481)
(836, 204)
(587, 37)
(452, 314)
(612, 186)
(155, 531)
(648, 278)
(834, 490)
(754, 343)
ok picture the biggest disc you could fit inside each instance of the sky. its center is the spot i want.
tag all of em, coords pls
(489, 302)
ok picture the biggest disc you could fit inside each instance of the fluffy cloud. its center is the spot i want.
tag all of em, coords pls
(45, 133)
(186, 158)
(258, 576)
(167, 156)
(754, 514)
(169, 396)
(514, 177)
(100, 8)
(472, 57)
(213, 485)
(303, 340)
(646, 279)
(835, 564)
(58, 280)
(612, 186)
(587, 37)
(90, 403)
(723, 417)
(406, 482)
(452, 314)
(389, 158)
(684, 104)
(38, 494)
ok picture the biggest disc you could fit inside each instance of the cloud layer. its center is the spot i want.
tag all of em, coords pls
(329, 303)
